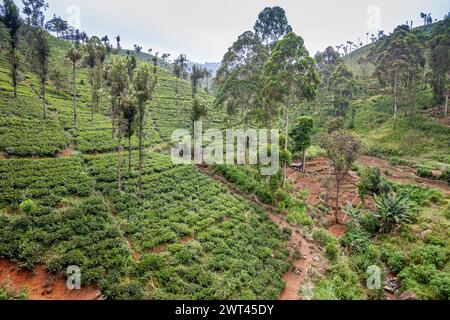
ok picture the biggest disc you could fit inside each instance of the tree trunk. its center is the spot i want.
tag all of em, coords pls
(178, 91)
(119, 182)
(395, 98)
(14, 71)
(74, 95)
(129, 155)
(141, 131)
(92, 88)
(446, 106)
(304, 160)
(338, 193)
(286, 143)
(44, 103)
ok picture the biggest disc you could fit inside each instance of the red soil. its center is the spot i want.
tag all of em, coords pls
(42, 285)
(69, 151)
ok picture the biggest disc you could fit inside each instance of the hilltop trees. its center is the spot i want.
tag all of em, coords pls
(197, 75)
(95, 57)
(327, 62)
(271, 26)
(11, 19)
(41, 52)
(238, 79)
(440, 62)
(74, 55)
(34, 10)
(144, 86)
(179, 70)
(398, 58)
(342, 85)
(57, 25)
(343, 148)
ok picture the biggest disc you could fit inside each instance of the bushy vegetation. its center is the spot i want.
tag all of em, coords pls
(226, 234)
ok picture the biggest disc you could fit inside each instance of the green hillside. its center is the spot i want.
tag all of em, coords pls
(62, 208)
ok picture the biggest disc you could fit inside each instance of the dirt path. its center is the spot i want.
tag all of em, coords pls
(403, 174)
(320, 183)
(42, 285)
(310, 256)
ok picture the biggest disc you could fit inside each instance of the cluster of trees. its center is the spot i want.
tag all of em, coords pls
(400, 60)
(129, 86)
(264, 70)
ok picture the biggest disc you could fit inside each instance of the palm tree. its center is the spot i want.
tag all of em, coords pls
(41, 56)
(11, 19)
(178, 70)
(74, 55)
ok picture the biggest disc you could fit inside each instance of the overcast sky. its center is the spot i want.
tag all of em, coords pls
(204, 29)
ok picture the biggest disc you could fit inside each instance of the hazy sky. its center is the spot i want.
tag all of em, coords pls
(204, 29)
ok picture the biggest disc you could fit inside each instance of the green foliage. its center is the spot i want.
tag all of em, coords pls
(9, 292)
(43, 181)
(372, 182)
(272, 25)
(356, 238)
(227, 232)
(341, 283)
(301, 134)
(27, 206)
(393, 211)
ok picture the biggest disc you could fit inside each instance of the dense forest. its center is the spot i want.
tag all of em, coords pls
(87, 178)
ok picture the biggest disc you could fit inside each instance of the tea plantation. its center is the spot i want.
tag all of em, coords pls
(187, 237)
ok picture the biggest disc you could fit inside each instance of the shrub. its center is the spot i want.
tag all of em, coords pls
(445, 176)
(332, 251)
(428, 254)
(322, 237)
(441, 284)
(340, 283)
(425, 173)
(372, 182)
(355, 238)
(27, 206)
(370, 223)
(393, 211)
(396, 261)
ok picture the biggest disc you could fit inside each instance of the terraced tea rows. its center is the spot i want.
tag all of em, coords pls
(232, 251)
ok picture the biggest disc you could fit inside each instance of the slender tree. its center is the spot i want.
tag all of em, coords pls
(396, 57)
(342, 86)
(301, 137)
(11, 19)
(290, 76)
(179, 70)
(119, 84)
(197, 75)
(74, 55)
(34, 10)
(144, 85)
(129, 115)
(327, 62)
(440, 63)
(95, 55)
(343, 148)
(41, 50)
